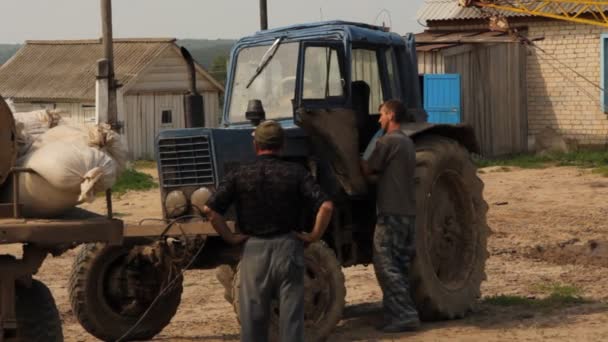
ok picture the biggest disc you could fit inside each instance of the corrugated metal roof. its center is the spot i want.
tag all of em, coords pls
(66, 69)
(450, 10)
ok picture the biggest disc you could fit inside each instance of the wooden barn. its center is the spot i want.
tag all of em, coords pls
(152, 74)
(565, 76)
(489, 76)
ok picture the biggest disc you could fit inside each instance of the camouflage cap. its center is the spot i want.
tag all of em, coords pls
(270, 133)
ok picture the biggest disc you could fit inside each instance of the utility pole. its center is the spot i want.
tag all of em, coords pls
(263, 15)
(105, 100)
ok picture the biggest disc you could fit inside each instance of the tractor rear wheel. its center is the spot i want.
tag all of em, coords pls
(109, 294)
(451, 230)
(324, 294)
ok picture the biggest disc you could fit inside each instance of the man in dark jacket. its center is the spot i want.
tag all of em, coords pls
(392, 164)
(268, 195)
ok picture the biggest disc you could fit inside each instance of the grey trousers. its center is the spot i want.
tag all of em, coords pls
(394, 248)
(272, 268)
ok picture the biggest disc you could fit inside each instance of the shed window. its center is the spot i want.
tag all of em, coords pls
(604, 76)
(167, 117)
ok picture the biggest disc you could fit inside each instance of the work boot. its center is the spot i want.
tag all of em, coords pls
(397, 327)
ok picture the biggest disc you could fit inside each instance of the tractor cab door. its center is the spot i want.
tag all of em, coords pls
(375, 79)
(323, 110)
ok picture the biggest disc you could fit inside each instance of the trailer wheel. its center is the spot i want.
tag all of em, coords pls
(37, 317)
(109, 294)
(451, 230)
(324, 294)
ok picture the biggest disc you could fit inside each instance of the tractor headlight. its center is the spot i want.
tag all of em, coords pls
(200, 197)
(176, 203)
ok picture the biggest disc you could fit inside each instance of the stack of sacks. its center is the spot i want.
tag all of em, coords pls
(30, 125)
(72, 163)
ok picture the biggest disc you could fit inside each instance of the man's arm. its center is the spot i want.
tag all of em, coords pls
(373, 166)
(368, 173)
(218, 204)
(321, 223)
(312, 192)
(221, 227)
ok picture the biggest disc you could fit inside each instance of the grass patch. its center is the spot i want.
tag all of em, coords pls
(556, 296)
(586, 159)
(602, 170)
(144, 164)
(132, 179)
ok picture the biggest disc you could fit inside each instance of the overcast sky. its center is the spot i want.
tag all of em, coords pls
(77, 19)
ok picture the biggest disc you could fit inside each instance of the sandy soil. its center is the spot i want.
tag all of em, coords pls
(531, 212)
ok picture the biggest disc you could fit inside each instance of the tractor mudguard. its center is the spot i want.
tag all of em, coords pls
(462, 133)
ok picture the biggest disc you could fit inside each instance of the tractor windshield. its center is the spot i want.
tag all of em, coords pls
(275, 85)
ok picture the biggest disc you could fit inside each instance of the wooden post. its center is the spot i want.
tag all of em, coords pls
(105, 71)
(263, 15)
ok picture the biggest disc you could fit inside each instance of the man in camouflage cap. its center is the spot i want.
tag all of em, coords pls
(268, 195)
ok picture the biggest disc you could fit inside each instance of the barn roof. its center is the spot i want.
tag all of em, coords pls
(65, 69)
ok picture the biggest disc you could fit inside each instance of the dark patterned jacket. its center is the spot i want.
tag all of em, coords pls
(269, 196)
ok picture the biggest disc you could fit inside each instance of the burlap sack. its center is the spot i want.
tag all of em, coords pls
(38, 121)
(98, 136)
(68, 173)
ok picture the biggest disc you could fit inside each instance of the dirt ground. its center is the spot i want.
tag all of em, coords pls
(549, 227)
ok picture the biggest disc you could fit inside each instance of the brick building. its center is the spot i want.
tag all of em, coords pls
(564, 75)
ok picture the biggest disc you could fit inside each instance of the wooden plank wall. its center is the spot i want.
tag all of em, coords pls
(430, 62)
(493, 92)
(143, 121)
(74, 112)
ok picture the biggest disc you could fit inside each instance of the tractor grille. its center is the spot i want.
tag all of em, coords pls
(186, 161)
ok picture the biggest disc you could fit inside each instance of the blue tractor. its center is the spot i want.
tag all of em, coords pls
(324, 83)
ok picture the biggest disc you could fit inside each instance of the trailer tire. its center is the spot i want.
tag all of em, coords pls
(324, 296)
(37, 317)
(108, 311)
(451, 230)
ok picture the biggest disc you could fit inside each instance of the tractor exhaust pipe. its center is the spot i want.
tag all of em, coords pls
(263, 15)
(194, 108)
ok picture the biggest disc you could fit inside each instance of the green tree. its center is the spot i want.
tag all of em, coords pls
(219, 68)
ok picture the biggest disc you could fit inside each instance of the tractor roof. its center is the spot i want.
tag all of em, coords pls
(334, 30)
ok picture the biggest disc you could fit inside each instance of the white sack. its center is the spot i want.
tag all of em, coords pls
(98, 136)
(41, 199)
(74, 173)
(38, 121)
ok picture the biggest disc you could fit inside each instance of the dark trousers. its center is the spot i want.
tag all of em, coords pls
(272, 268)
(394, 247)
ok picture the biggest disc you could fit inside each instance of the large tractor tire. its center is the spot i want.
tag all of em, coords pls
(37, 317)
(324, 294)
(451, 230)
(109, 294)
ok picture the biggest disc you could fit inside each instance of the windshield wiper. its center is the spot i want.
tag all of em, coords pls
(265, 59)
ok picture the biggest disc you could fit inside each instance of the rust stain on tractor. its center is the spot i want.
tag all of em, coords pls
(8, 141)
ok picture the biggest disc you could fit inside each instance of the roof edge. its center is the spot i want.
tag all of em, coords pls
(98, 41)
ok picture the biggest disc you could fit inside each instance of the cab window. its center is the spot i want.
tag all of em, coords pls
(322, 77)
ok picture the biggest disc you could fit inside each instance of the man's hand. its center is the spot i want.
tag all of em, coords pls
(307, 237)
(237, 239)
(219, 224)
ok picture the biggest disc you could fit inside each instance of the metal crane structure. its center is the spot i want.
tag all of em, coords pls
(592, 12)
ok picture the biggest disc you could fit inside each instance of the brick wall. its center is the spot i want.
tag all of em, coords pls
(557, 97)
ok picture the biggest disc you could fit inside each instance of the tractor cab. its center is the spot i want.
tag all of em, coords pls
(327, 65)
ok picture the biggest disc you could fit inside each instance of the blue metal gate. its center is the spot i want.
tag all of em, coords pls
(442, 98)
